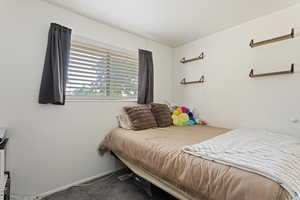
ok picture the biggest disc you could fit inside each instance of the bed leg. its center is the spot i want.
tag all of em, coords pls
(144, 184)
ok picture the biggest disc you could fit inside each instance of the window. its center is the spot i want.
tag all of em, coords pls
(101, 73)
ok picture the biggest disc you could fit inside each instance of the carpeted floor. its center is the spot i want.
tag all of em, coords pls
(110, 188)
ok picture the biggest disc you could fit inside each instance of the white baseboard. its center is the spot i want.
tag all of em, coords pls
(42, 195)
(21, 197)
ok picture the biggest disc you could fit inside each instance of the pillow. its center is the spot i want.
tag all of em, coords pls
(124, 121)
(141, 117)
(182, 116)
(162, 114)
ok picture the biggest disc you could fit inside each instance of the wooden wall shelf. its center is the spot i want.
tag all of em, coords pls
(184, 82)
(184, 60)
(252, 75)
(277, 39)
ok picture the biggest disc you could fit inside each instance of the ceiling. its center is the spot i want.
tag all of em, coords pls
(173, 22)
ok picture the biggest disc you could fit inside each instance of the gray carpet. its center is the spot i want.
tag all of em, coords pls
(110, 188)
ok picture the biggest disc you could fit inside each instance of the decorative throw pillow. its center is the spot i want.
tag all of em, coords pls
(162, 114)
(141, 117)
(183, 117)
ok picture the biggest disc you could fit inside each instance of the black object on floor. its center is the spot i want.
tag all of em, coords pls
(110, 188)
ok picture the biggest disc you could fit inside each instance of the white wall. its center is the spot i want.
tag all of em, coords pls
(51, 146)
(230, 98)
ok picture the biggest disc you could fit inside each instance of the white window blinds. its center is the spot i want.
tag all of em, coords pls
(101, 73)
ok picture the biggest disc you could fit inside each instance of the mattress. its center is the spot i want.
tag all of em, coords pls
(159, 151)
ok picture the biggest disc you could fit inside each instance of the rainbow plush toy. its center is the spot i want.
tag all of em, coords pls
(182, 116)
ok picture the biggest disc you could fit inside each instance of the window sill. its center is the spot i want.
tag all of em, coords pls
(101, 100)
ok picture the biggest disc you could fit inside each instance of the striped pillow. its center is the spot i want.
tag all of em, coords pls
(162, 114)
(141, 117)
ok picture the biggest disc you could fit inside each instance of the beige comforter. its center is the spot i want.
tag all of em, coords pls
(159, 152)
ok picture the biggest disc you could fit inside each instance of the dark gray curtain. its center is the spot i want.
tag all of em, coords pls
(53, 84)
(145, 86)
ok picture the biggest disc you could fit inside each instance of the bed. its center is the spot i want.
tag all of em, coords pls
(157, 156)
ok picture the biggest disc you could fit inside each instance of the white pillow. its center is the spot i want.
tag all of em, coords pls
(124, 121)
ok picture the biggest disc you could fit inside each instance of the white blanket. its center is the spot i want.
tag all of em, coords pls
(275, 156)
